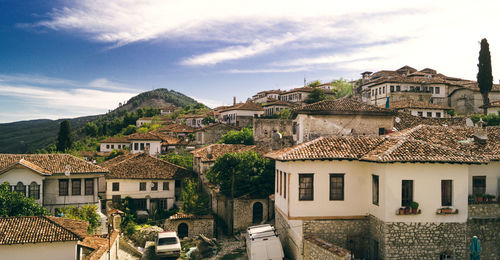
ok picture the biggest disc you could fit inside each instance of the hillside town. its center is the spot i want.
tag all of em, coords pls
(395, 165)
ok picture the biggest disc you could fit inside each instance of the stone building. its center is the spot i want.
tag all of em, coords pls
(273, 132)
(211, 134)
(189, 225)
(352, 192)
(492, 108)
(340, 117)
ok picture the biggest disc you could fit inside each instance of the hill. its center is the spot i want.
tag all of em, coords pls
(30, 136)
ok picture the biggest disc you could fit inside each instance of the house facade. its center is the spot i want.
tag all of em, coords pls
(422, 109)
(114, 143)
(211, 134)
(52, 180)
(266, 96)
(275, 106)
(241, 114)
(140, 142)
(352, 191)
(143, 120)
(151, 183)
(340, 117)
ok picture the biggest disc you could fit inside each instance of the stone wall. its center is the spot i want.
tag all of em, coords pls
(488, 232)
(350, 233)
(316, 248)
(404, 96)
(196, 226)
(211, 134)
(377, 235)
(487, 210)
(264, 128)
(292, 245)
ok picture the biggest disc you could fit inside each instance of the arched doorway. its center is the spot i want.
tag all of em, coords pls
(257, 213)
(182, 230)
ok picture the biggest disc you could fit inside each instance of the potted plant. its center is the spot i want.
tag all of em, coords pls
(407, 210)
(447, 210)
(479, 197)
(414, 207)
(401, 211)
(490, 197)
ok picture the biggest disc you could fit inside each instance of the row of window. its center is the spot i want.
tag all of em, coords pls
(33, 189)
(306, 188)
(119, 146)
(428, 114)
(291, 97)
(397, 88)
(142, 186)
(76, 187)
(141, 145)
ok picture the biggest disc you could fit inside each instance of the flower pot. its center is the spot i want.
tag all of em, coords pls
(414, 211)
(401, 211)
(446, 211)
(479, 199)
(407, 210)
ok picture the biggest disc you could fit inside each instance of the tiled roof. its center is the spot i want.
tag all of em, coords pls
(99, 244)
(79, 227)
(144, 166)
(216, 124)
(344, 106)
(181, 215)
(416, 104)
(49, 163)
(33, 229)
(278, 103)
(244, 106)
(404, 120)
(144, 136)
(176, 128)
(397, 147)
(116, 139)
(211, 152)
(305, 89)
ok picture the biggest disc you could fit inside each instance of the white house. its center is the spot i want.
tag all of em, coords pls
(53, 180)
(420, 108)
(38, 237)
(266, 96)
(275, 106)
(299, 95)
(241, 114)
(350, 191)
(114, 143)
(143, 120)
(152, 183)
(140, 142)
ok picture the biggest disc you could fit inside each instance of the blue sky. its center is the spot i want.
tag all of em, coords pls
(73, 58)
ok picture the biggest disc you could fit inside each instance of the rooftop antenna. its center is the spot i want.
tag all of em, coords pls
(67, 171)
(304, 80)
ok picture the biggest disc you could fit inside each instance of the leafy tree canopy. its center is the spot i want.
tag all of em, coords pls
(484, 75)
(195, 202)
(244, 136)
(314, 84)
(85, 212)
(208, 120)
(64, 136)
(316, 95)
(14, 204)
(342, 88)
(184, 160)
(253, 174)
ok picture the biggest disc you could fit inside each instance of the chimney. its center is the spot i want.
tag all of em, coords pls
(234, 100)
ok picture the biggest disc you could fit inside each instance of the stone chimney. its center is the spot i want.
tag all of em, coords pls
(234, 100)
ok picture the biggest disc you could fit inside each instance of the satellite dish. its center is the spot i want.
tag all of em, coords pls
(67, 171)
(397, 119)
(277, 136)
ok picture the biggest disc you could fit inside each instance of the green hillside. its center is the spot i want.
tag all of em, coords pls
(30, 136)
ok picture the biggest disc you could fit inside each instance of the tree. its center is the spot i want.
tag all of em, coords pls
(316, 95)
(314, 84)
(194, 201)
(484, 76)
(284, 114)
(208, 120)
(245, 136)
(342, 88)
(91, 129)
(85, 212)
(17, 204)
(184, 160)
(252, 173)
(64, 136)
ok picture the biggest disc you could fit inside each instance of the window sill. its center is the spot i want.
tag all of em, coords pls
(403, 213)
(446, 211)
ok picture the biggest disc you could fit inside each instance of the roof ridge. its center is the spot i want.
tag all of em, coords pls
(305, 144)
(61, 226)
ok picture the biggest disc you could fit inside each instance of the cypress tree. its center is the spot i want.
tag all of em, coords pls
(64, 136)
(484, 75)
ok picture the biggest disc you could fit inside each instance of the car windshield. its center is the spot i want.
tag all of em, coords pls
(167, 241)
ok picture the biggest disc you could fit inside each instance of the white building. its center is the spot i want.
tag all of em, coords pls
(241, 114)
(143, 120)
(420, 108)
(349, 191)
(52, 180)
(275, 106)
(114, 143)
(153, 184)
(267, 96)
(140, 142)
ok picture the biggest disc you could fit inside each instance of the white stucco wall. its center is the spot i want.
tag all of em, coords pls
(39, 251)
(52, 199)
(425, 111)
(358, 190)
(492, 173)
(113, 146)
(26, 176)
(379, 99)
(238, 113)
(130, 188)
(140, 122)
(154, 146)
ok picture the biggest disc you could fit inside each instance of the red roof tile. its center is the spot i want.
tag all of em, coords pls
(50, 163)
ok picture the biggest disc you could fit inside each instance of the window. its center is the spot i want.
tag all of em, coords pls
(436, 90)
(116, 186)
(383, 89)
(306, 187)
(63, 187)
(140, 204)
(277, 182)
(420, 113)
(136, 146)
(375, 190)
(162, 204)
(398, 88)
(107, 146)
(112, 146)
(381, 131)
(34, 191)
(429, 114)
(438, 114)
(431, 89)
(142, 186)
(336, 186)
(142, 146)
(392, 88)
(406, 192)
(89, 186)
(154, 186)
(166, 185)
(281, 179)
(294, 128)
(20, 188)
(284, 185)
(446, 192)
(76, 187)
(478, 185)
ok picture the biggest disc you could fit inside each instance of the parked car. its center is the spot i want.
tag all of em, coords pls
(168, 244)
(263, 243)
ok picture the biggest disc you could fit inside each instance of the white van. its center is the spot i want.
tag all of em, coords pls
(263, 243)
(168, 244)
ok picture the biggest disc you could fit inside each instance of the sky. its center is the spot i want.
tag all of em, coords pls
(64, 58)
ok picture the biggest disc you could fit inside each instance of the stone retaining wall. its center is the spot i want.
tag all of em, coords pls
(487, 210)
(488, 232)
(316, 248)
(196, 226)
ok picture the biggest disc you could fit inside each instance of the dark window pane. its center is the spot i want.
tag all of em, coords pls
(34, 191)
(306, 188)
(116, 186)
(284, 185)
(20, 188)
(76, 187)
(142, 186)
(89, 186)
(478, 185)
(63, 187)
(154, 186)
(406, 192)
(375, 190)
(336, 187)
(446, 192)
(166, 185)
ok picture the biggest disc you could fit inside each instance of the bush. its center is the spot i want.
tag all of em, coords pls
(86, 212)
(245, 136)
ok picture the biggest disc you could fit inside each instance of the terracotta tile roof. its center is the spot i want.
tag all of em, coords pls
(216, 124)
(305, 89)
(169, 140)
(49, 163)
(244, 106)
(116, 139)
(345, 106)
(397, 147)
(79, 227)
(33, 229)
(144, 136)
(118, 159)
(99, 244)
(181, 215)
(211, 152)
(94, 242)
(176, 128)
(416, 104)
(278, 103)
(144, 166)
(404, 120)
(274, 91)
